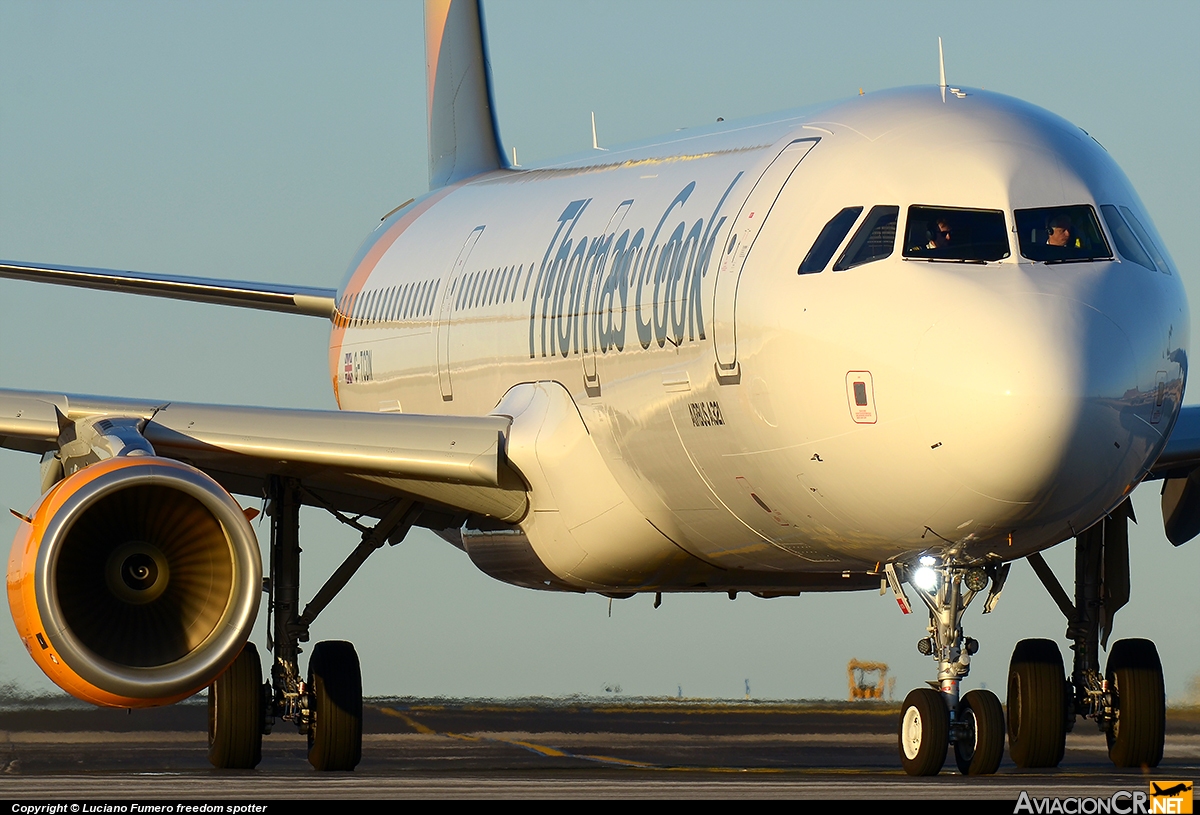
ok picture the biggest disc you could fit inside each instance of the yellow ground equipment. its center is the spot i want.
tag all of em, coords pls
(868, 680)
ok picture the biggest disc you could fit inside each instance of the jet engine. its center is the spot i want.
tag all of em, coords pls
(134, 581)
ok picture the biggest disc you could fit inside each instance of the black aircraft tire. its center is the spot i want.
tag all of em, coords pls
(235, 714)
(981, 755)
(1037, 722)
(1135, 676)
(924, 732)
(335, 697)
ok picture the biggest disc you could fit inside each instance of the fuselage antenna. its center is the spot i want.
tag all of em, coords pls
(595, 144)
(942, 75)
(942, 70)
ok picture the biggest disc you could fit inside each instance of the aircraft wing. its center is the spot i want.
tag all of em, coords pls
(315, 302)
(1179, 468)
(1182, 453)
(352, 461)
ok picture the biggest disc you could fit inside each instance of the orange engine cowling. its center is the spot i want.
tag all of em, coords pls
(135, 581)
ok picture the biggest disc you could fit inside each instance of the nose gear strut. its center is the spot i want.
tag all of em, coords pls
(945, 641)
(973, 723)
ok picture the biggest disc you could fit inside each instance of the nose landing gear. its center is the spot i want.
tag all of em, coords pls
(924, 732)
(931, 720)
(980, 745)
(1127, 701)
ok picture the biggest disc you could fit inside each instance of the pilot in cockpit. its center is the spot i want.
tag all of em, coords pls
(1060, 233)
(940, 238)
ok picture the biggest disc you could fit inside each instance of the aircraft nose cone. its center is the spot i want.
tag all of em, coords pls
(1028, 404)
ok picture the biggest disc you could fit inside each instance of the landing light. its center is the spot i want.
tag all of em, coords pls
(925, 578)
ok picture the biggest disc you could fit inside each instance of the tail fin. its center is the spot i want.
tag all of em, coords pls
(463, 137)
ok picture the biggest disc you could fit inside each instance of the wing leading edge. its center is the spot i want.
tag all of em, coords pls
(308, 300)
(1182, 452)
(1179, 467)
(349, 460)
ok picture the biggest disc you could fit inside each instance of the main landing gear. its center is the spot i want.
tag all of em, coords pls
(326, 705)
(931, 719)
(1127, 702)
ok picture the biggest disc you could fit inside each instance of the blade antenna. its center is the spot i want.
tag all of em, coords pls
(595, 144)
(942, 69)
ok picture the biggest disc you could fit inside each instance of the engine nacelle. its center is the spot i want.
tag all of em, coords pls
(135, 581)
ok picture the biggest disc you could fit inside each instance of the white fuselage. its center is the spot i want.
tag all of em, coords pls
(1011, 404)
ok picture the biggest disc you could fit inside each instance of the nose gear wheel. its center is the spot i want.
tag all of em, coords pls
(924, 732)
(980, 745)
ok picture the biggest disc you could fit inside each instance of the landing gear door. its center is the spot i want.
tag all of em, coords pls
(746, 226)
(446, 311)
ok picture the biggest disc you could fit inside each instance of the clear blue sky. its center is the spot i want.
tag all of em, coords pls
(264, 140)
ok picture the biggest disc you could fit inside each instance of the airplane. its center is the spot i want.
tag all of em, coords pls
(753, 357)
(1171, 791)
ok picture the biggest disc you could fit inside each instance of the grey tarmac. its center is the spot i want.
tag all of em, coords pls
(576, 748)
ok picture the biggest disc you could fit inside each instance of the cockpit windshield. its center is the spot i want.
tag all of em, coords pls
(963, 235)
(1061, 234)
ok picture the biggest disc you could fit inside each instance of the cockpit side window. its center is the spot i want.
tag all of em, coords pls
(1061, 234)
(955, 234)
(1128, 245)
(1147, 241)
(829, 240)
(1150, 239)
(1133, 243)
(875, 239)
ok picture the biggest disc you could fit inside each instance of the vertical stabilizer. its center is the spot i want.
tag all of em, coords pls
(463, 137)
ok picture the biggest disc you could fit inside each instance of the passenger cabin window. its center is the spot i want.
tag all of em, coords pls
(829, 240)
(1127, 242)
(959, 235)
(1061, 234)
(875, 239)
